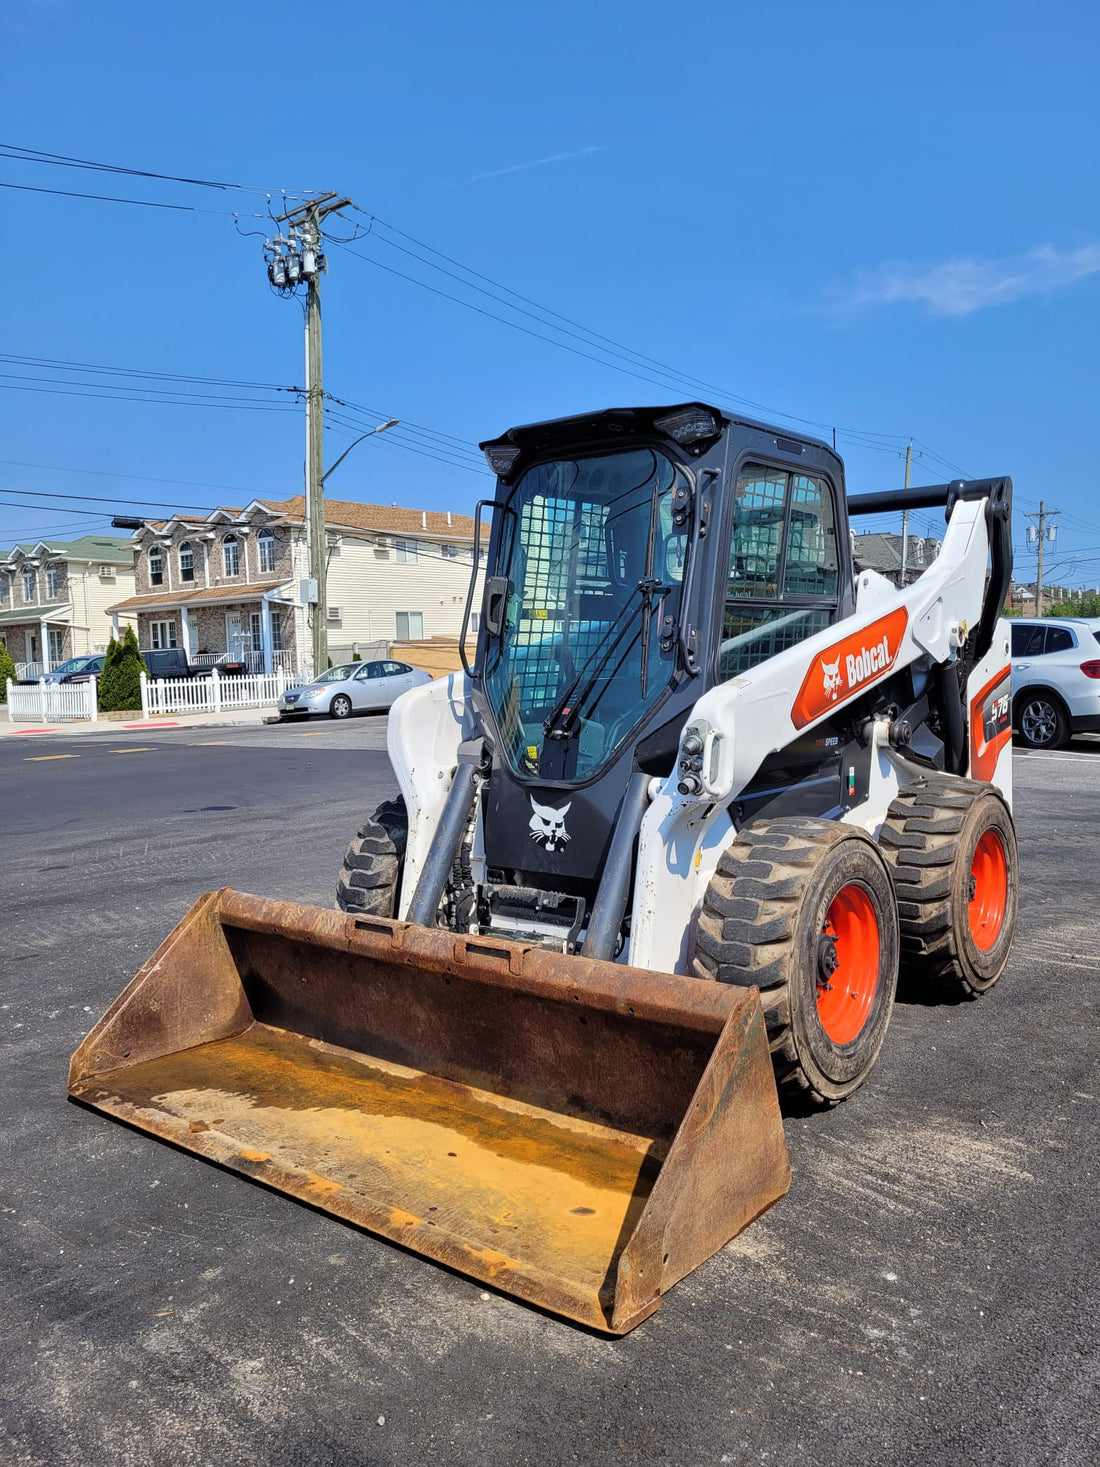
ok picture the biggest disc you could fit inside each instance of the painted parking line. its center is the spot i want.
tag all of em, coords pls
(211, 744)
(317, 733)
(41, 758)
(145, 749)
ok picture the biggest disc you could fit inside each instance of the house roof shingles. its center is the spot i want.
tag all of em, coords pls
(110, 549)
(250, 591)
(387, 519)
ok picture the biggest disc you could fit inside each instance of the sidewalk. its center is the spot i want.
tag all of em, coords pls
(244, 717)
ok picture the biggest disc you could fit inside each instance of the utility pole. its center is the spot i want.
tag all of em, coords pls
(296, 259)
(1038, 536)
(905, 514)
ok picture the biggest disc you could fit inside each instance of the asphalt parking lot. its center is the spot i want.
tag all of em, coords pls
(926, 1293)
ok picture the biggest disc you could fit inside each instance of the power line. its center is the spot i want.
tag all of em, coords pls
(65, 160)
(243, 406)
(100, 499)
(66, 193)
(15, 463)
(55, 363)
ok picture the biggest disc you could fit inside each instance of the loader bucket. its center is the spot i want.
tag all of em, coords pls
(575, 1132)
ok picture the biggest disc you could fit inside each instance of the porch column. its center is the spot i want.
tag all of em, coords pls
(265, 624)
(46, 665)
(185, 632)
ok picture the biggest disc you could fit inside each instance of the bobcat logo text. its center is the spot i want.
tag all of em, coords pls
(547, 825)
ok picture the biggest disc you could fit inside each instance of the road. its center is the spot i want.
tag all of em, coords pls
(927, 1292)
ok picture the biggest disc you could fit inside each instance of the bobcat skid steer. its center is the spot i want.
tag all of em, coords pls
(666, 842)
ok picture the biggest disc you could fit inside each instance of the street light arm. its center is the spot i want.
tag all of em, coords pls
(355, 443)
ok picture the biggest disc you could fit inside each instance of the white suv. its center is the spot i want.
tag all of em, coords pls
(1055, 680)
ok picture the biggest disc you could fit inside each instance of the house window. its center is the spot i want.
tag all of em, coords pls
(256, 626)
(187, 562)
(164, 635)
(266, 541)
(156, 566)
(406, 552)
(53, 581)
(276, 631)
(55, 641)
(410, 626)
(3, 589)
(231, 554)
(28, 585)
(450, 552)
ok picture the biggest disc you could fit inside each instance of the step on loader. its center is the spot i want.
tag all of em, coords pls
(661, 852)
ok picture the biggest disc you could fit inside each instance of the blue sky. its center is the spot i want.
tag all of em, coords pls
(879, 217)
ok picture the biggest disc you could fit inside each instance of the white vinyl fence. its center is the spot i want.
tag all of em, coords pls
(213, 694)
(52, 702)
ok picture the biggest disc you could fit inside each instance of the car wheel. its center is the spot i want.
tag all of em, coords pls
(1041, 721)
(340, 707)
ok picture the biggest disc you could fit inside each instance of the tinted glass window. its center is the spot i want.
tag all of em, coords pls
(1027, 641)
(1059, 639)
(784, 536)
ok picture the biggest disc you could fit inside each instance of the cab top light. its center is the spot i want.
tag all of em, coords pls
(690, 425)
(501, 457)
(1091, 669)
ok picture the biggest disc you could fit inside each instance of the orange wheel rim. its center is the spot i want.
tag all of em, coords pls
(988, 890)
(848, 964)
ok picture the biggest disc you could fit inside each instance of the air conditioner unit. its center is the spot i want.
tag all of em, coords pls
(383, 542)
(334, 541)
(334, 613)
(106, 570)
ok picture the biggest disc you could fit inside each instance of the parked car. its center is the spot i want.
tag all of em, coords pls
(76, 670)
(172, 662)
(1055, 680)
(356, 687)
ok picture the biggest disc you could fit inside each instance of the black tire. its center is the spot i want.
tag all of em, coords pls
(763, 923)
(340, 707)
(370, 878)
(931, 838)
(1041, 720)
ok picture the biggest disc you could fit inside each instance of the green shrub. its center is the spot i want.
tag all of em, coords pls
(355, 657)
(1087, 605)
(120, 680)
(7, 670)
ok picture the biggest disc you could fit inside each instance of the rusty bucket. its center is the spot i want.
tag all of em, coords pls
(575, 1132)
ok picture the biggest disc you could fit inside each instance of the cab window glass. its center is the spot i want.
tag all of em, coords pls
(810, 568)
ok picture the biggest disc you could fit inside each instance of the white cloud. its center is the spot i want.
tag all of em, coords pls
(960, 287)
(534, 163)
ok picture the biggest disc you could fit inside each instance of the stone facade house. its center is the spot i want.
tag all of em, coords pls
(231, 582)
(55, 595)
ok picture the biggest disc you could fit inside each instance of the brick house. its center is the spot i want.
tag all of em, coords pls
(55, 595)
(231, 581)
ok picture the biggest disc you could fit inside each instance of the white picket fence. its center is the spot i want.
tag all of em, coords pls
(213, 694)
(52, 702)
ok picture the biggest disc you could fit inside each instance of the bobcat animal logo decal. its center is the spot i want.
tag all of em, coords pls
(548, 825)
(832, 677)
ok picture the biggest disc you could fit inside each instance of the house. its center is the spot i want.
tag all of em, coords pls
(231, 581)
(880, 551)
(55, 595)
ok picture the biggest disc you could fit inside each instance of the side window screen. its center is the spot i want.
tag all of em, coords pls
(811, 564)
(1059, 640)
(1027, 641)
(784, 568)
(757, 532)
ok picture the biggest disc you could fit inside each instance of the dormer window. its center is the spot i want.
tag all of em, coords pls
(187, 561)
(3, 589)
(266, 542)
(53, 581)
(231, 554)
(28, 586)
(156, 566)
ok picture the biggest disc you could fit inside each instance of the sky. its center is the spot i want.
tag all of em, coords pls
(882, 219)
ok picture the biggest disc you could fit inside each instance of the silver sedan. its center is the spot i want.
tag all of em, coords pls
(357, 687)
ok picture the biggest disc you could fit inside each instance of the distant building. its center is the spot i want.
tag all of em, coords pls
(55, 595)
(881, 551)
(231, 581)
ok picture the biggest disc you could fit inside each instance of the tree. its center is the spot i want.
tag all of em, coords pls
(120, 680)
(1088, 604)
(7, 670)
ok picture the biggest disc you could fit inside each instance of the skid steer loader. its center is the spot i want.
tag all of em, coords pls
(660, 854)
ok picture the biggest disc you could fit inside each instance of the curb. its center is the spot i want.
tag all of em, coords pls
(109, 728)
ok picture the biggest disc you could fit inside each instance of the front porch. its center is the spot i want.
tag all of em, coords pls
(38, 638)
(212, 625)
